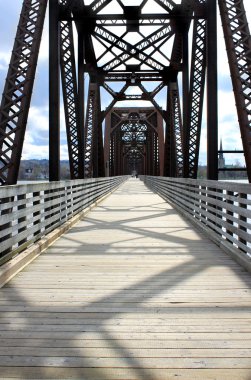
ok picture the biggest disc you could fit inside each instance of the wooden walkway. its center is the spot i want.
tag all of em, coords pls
(130, 292)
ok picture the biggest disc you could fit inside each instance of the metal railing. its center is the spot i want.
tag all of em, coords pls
(222, 209)
(29, 212)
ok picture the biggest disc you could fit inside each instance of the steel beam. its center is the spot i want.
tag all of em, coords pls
(93, 134)
(72, 104)
(185, 87)
(212, 92)
(81, 96)
(238, 44)
(18, 88)
(196, 96)
(174, 134)
(54, 91)
(151, 57)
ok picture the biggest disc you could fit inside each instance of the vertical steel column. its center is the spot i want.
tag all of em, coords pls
(107, 144)
(100, 147)
(212, 92)
(178, 130)
(81, 92)
(151, 151)
(156, 154)
(196, 98)
(54, 93)
(238, 44)
(168, 136)
(121, 166)
(173, 149)
(160, 142)
(71, 101)
(185, 93)
(112, 156)
(91, 161)
(116, 152)
(148, 158)
(94, 153)
(98, 152)
(18, 88)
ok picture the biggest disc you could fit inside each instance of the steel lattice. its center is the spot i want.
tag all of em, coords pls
(148, 52)
(174, 148)
(135, 137)
(91, 127)
(196, 95)
(69, 85)
(238, 43)
(18, 88)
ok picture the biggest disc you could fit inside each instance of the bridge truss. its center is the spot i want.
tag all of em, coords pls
(138, 52)
(134, 142)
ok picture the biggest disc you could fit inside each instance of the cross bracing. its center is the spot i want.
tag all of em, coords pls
(135, 51)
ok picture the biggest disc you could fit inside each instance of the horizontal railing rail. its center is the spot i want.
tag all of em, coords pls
(223, 209)
(31, 211)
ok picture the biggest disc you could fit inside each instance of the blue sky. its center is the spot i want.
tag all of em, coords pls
(36, 140)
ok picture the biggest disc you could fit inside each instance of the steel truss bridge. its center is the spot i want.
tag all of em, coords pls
(129, 53)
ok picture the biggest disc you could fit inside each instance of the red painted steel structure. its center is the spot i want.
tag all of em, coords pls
(18, 88)
(129, 55)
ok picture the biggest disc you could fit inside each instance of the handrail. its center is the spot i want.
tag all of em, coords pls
(31, 211)
(222, 209)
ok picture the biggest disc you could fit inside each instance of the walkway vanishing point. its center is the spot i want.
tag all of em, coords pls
(132, 291)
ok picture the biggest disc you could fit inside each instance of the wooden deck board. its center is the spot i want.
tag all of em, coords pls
(133, 292)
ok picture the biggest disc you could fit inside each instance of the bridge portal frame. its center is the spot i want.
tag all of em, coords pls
(183, 116)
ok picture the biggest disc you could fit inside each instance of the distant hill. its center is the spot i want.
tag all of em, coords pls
(39, 169)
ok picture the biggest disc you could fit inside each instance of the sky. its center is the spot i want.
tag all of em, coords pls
(36, 139)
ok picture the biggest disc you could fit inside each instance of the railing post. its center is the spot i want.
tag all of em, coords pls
(243, 218)
(229, 212)
(23, 218)
(47, 209)
(5, 226)
(36, 213)
(203, 217)
(219, 208)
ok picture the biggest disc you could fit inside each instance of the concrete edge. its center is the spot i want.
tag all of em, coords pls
(19, 262)
(240, 257)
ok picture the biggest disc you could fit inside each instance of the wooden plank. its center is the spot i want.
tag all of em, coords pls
(123, 373)
(62, 319)
(90, 295)
(125, 362)
(123, 309)
(177, 314)
(109, 352)
(123, 335)
(127, 343)
(78, 328)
